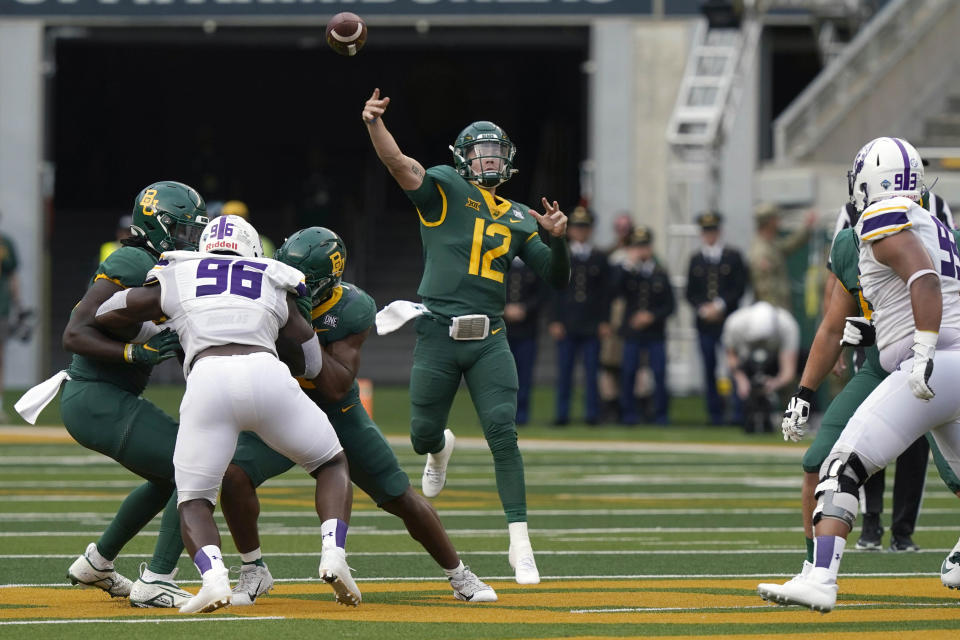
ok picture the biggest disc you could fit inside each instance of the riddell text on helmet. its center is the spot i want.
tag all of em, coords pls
(222, 244)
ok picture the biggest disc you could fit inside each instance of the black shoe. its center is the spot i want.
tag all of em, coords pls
(871, 534)
(903, 544)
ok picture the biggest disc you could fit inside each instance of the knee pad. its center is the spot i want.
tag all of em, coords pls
(423, 444)
(838, 493)
(501, 436)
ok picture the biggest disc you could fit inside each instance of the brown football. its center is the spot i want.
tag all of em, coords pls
(346, 33)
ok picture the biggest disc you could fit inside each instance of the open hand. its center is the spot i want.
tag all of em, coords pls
(553, 219)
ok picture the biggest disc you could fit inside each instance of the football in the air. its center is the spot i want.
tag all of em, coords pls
(346, 33)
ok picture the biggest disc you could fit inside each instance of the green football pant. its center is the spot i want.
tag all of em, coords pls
(491, 375)
(373, 465)
(840, 411)
(137, 434)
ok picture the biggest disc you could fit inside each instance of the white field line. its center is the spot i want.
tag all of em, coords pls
(141, 620)
(508, 578)
(551, 533)
(602, 552)
(935, 605)
(463, 442)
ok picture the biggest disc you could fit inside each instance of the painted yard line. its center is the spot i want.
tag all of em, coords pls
(570, 578)
(276, 530)
(153, 620)
(579, 552)
(472, 443)
(933, 605)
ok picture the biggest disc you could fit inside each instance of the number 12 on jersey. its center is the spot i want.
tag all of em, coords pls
(480, 265)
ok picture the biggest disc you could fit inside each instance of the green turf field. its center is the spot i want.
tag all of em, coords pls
(638, 533)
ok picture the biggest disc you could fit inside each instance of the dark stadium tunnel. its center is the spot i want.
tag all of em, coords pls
(272, 117)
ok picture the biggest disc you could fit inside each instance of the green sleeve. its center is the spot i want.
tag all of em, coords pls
(552, 263)
(126, 267)
(844, 258)
(430, 197)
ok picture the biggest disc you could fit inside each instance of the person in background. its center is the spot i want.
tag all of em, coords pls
(9, 302)
(611, 347)
(239, 208)
(580, 318)
(648, 299)
(761, 342)
(123, 231)
(768, 255)
(716, 280)
(525, 297)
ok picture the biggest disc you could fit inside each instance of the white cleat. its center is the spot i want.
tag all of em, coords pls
(435, 471)
(335, 572)
(766, 589)
(950, 569)
(214, 593)
(255, 580)
(521, 559)
(157, 594)
(82, 571)
(468, 587)
(815, 591)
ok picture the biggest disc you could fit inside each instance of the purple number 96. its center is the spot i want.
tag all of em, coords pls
(240, 277)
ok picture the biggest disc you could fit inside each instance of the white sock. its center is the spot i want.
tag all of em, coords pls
(150, 576)
(518, 534)
(97, 560)
(455, 571)
(251, 556)
(209, 558)
(333, 533)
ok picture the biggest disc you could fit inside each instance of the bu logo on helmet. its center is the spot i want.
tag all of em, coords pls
(148, 201)
(336, 260)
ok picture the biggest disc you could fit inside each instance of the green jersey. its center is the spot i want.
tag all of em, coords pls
(844, 260)
(349, 310)
(469, 239)
(126, 267)
(8, 266)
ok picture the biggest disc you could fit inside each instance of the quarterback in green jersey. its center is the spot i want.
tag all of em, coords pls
(470, 235)
(102, 407)
(342, 315)
(845, 300)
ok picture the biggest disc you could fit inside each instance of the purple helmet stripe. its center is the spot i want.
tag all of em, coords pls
(906, 163)
(222, 227)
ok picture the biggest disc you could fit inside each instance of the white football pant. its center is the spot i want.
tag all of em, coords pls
(892, 418)
(229, 394)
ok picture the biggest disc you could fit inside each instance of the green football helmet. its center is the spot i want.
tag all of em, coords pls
(320, 254)
(482, 140)
(169, 215)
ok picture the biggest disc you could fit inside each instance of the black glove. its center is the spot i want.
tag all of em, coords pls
(160, 347)
(859, 332)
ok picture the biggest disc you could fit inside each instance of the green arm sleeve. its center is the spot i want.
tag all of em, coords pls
(550, 263)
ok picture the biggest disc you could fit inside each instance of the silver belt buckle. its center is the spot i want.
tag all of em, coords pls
(472, 327)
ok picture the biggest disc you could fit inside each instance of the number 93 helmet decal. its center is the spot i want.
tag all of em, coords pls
(169, 215)
(320, 254)
(232, 235)
(483, 153)
(884, 168)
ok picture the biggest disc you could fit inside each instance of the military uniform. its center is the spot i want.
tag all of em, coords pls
(768, 262)
(844, 257)
(524, 288)
(103, 411)
(715, 274)
(373, 465)
(644, 287)
(581, 308)
(8, 266)
(469, 239)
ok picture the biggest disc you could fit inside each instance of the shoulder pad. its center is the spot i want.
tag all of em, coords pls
(127, 266)
(885, 218)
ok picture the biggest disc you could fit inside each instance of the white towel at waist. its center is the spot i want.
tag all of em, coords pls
(36, 398)
(398, 313)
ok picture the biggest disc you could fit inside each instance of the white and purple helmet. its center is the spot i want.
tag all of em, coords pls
(231, 234)
(884, 168)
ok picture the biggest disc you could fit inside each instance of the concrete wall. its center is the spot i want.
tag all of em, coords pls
(21, 197)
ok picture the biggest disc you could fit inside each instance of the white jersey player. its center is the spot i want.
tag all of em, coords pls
(908, 265)
(229, 306)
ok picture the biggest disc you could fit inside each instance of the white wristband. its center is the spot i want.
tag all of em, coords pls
(926, 338)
